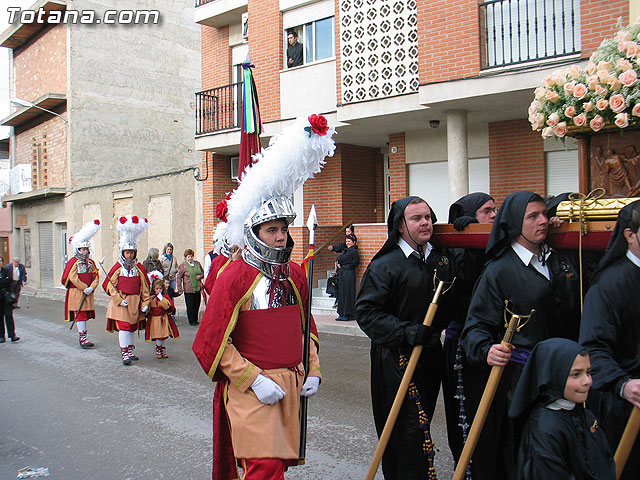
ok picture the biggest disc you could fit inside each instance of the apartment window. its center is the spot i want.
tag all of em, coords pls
(561, 171)
(314, 26)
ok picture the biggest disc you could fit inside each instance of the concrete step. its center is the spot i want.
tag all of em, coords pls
(324, 311)
(322, 302)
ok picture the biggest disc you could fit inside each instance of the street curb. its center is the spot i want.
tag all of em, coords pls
(324, 323)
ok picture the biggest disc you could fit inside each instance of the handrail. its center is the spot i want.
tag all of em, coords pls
(322, 247)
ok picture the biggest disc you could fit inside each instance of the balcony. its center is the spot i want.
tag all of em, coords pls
(518, 31)
(218, 109)
(218, 13)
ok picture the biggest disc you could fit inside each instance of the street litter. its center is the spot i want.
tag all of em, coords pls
(28, 472)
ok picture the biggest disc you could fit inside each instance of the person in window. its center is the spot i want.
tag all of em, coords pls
(294, 50)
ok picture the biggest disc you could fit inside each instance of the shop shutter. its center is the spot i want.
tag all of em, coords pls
(45, 241)
(562, 171)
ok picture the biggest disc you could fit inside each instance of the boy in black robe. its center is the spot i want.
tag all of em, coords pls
(561, 439)
(610, 332)
(395, 292)
(523, 270)
(472, 208)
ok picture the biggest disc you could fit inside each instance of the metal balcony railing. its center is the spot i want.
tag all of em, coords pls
(518, 31)
(218, 108)
(202, 2)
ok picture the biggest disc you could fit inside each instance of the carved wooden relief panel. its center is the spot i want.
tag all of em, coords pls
(615, 163)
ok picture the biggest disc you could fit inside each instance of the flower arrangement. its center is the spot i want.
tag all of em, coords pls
(606, 93)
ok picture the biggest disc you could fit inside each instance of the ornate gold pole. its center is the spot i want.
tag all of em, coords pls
(626, 441)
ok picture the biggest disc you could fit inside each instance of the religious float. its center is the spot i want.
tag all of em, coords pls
(600, 107)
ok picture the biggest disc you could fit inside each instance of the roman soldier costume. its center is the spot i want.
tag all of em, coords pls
(80, 278)
(251, 337)
(128, 286)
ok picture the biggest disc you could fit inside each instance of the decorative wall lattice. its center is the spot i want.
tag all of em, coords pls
(379, 43)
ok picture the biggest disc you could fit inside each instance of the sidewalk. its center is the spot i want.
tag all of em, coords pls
(325, 323)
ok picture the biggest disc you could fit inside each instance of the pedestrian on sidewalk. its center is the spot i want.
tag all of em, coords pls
(347, 263)
(6, 309)
(153, 262)
(169, 265)
(161, 324)
(189, 281)
(18, 276)
(81, 278)
(128, 286)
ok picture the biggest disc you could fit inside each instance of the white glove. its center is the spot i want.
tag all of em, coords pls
(145, 308)
(267, 390)
(310, 387)
(160, 297)
(88, 290)
(124, 303)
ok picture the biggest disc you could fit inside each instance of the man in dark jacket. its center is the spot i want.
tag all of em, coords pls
(18, 276)
(294, 50)
(395, 293)
(6, 309)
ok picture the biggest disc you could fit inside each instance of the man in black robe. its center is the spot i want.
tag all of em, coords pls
(523, 270)
(395, 292)
(347, 263)
(610, 332)
(472, 208)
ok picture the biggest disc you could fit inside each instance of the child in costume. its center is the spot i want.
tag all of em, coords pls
(80, 278)
(128, 286)
(161, 324)
(561, 438)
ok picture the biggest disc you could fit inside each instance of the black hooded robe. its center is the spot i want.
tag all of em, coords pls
(610, 331)
(394, 295)
(469, 264)
(557, 306)
(348, 262)
(557, 444)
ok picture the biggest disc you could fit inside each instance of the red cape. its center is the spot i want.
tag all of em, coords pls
(231, 290)
(218, 264)
(115, 272)
(65, 281)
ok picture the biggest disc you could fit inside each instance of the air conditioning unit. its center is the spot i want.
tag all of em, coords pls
(235, 169)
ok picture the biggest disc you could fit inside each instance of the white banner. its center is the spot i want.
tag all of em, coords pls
(20, 178)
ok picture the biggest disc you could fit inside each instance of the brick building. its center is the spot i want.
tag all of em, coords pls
(102, 126)
(429, 98)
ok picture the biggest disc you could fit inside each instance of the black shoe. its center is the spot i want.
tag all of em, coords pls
(2, 340)
(126, 361)
(15, 339)
(87, 344)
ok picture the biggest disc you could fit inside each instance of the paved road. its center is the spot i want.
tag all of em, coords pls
(84, 415)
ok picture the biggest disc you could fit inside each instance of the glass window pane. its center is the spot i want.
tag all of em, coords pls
(324, 38)
(308, 43)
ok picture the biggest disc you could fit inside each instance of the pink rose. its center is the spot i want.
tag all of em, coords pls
(535, 106)
(622, 46)
(614, 83)
(547, 132)
(591, 68)
(593, 82)
(622, 120)
(547, 81)
(559, 78)
(602, 91)
(570, 111)
(623, 65)
(602, 104)
(602, 65)
(580, 90)
(603, 75)
(574, 70)
(552, 96)
(617, 103)
(629, 78)
(553, 119)
(560, 130)
(588, 106)
(540, 93)
(596, 123)
(623, 36)
(537, 121)
(580, 120)
(636, 110)
(633, 50)
(568, 87)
